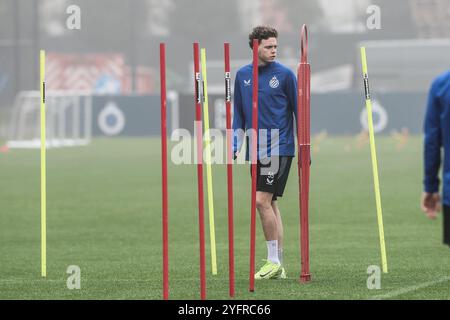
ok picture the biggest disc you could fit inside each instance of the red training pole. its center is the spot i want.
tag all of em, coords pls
(165, 224)
(254, 159)
(229, 167)
(304, 141)
(201, 219)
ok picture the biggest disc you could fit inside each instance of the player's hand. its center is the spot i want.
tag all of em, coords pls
(431, 204)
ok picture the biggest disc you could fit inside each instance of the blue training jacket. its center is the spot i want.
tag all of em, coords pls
(277, 105)
(437, 135)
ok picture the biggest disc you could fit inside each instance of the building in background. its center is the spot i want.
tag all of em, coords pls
(432, 18)
(132, 31)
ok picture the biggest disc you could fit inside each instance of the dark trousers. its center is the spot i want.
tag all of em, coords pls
(446, 218)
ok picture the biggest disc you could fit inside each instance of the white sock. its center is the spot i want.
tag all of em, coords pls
(280, 255)
(272, 251)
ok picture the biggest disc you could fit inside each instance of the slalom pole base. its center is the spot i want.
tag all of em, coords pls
(304, 278)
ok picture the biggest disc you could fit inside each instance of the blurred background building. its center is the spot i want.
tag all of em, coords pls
(115, 51)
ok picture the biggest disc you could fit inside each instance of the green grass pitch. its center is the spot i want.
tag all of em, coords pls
(104, 215)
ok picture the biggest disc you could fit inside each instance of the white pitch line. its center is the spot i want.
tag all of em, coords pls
(410, 289)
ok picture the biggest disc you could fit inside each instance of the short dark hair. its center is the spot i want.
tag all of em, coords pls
(260, 33)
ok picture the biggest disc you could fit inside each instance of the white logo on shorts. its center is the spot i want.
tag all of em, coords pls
(274, 83)
(270, 178)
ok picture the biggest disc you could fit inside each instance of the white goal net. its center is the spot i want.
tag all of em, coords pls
(68, 120)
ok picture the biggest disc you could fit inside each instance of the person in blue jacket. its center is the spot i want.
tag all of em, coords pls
(277, 106)
(437, 136)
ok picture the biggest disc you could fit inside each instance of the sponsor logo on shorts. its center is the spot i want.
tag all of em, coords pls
(270, 178)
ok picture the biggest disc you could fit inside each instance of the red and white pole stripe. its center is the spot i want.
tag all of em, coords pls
(229, 167)
(165, 213)
(304, 146)
(254, 160)
(201, 214)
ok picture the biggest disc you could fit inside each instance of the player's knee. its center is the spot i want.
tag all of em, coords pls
(262, 203)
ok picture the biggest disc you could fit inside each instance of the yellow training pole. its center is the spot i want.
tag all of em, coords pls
(43, 169)
(212, 231)
(374, 159)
